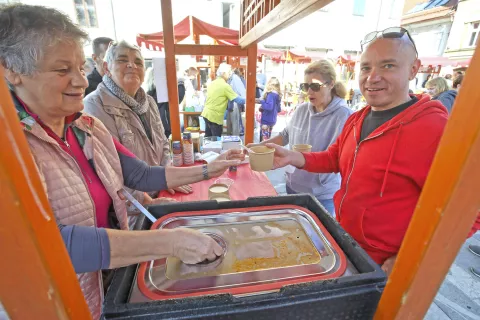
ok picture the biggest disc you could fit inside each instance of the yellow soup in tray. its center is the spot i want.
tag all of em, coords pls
(253, 246)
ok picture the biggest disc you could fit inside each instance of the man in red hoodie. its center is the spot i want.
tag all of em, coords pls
(385, 150)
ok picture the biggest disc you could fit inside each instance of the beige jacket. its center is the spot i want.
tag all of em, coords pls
(126, 127)
(66, 187)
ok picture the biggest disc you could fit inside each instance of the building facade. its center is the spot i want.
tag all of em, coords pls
(465, 31)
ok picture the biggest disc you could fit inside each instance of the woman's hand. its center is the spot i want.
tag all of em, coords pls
(218, 167)
(148, 201)
(234, 154)
(284, 157)
(192, 246)
(186, 189)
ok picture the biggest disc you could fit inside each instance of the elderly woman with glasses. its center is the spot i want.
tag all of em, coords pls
(219, 92)
(82, 167)
(317, 123)
(128, 112)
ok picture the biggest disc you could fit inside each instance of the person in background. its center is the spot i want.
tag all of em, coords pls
(270, 107)
(163, 107)
(83, 169)
(438, 89)
(317, 123)
(234, 110)
(99, 47)
(189, 81)
(426, 80)
(448, 78)
(130, 115)
(457, 82)
(89, 66)
(261, 82)
(384, 151)
(219, 93)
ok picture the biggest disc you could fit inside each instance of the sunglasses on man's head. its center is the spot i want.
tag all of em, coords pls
(389, 33)
(314, 86)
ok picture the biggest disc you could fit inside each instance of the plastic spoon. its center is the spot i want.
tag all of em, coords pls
(138, 206)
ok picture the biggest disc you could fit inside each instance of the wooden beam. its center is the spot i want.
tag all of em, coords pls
(209, 50)
(445, 211)
(37, 279)
(171, 69)
(251, 78)
(284, 14)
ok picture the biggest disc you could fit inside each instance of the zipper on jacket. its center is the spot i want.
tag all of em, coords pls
(353, 165)
(76, 160)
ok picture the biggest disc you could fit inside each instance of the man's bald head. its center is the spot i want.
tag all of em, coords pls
(386, 67)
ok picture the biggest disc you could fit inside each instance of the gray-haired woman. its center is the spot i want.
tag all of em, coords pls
(219, 93)
(128, 112)
(81, 166)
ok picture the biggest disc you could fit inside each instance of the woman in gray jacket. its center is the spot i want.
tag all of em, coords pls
(317, 123)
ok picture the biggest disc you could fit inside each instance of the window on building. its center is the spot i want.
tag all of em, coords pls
(86, 13)
(472, 35)
(359, 7)
(226, 14)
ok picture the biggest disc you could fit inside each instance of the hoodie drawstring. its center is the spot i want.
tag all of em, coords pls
(384, 184)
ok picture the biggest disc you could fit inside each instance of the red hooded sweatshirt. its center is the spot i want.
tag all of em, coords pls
(383, 175)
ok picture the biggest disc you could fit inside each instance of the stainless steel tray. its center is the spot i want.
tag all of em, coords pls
(240, 230)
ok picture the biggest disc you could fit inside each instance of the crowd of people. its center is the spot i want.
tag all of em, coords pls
(92, 137)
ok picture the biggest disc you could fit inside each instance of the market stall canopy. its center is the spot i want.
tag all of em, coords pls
(183, 29)
(288, 56)
(443, 61)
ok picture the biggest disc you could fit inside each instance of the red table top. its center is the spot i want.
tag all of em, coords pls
(247, 183)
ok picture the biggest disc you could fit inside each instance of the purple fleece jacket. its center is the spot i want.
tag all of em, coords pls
(271, 107)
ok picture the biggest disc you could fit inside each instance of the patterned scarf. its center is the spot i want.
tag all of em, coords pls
(138, 104)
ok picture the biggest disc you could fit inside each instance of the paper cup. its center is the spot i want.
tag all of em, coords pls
(302, 148)
(218, 191)
(261, 158)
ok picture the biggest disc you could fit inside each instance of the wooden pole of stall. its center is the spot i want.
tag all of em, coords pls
(251, 79)
(37, 280)
(171, 69)
(445, 211)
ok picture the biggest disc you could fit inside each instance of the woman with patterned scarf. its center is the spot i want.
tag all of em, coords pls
(129, 114)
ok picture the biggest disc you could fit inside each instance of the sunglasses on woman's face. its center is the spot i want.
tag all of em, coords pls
(314, 86)
(389, 33)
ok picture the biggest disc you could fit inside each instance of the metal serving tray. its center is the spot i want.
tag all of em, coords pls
(266, 248)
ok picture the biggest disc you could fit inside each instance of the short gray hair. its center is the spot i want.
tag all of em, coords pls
(26, 31)
(223, 68)
(112, 50)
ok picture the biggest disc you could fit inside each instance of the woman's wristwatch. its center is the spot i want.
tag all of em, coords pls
(205, 172)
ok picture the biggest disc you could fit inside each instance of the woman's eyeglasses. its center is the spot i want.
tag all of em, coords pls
(314, 86)
(389, 33)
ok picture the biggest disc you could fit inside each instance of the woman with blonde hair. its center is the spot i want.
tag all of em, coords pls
(317, 123)
(270, 107)
(439, 89)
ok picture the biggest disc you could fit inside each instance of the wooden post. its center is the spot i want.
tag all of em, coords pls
(251, 78)
(171, 69)
(37, 279)
(445, 211)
